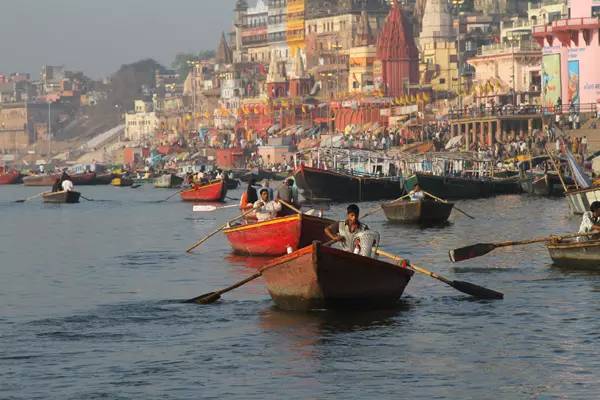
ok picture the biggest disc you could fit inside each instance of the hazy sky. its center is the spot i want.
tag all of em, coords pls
(97, 36)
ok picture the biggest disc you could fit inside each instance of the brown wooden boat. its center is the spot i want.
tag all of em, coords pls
(573, 254)
(417, 212)
(61, 197)
(318, 277)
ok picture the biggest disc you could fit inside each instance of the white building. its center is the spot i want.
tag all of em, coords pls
(142, 123)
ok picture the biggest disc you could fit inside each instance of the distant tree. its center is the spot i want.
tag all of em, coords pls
(181, 63)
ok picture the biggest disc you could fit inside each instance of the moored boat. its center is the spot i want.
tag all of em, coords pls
(212, 191)
(319, 184)
(86, 178)
(452, 187)
(168, 181)
(581, 199)
(573, 254)
(275, 236)
(103, 179)
(61, 197)
(318, 277)
(417, 212)
(10, 178)
(122, 181)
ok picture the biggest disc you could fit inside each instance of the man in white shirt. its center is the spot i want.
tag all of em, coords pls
(67, 185)
(417, 193)
(265, 209)
(590, 221)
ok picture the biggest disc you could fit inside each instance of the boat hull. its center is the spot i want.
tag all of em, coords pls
(321, 277)
(317, 184)
(11, 178)
(168, 181)
(103, 179)
(450, 187)
(417, 212)
(577, 255)
(546, 185)
(273, 237)
(61, 197)
(213, 191)
(87, 178)
(580, 200)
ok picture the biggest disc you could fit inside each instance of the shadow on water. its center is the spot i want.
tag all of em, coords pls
(331, 321)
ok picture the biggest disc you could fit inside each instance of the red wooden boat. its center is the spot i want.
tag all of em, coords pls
(317, 277)
(273, 237)
(10, 177)
(212, 191)
(86, 178)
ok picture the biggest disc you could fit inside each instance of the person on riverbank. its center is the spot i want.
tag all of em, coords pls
(590, 222)
(345, 231)
(265, 209)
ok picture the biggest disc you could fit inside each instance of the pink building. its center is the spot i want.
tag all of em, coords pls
(571, 51)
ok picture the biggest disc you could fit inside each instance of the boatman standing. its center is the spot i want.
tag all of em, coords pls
(417, 194)
(346, 231)
(590, 222)
(265, 209)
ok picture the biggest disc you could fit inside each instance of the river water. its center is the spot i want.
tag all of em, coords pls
(90, 308)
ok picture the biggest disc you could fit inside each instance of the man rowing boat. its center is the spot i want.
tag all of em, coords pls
(265, 209)
(347, 230)
(417, 193)
(590, 222)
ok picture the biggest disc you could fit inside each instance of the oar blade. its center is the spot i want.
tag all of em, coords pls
(20, 201)
(468, 252)
(203, 208)
(477, 291)
(207, 298)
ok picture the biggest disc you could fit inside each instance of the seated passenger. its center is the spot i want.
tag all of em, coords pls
(265, 209)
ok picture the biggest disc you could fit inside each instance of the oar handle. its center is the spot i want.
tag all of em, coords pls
(240, 283)
(291, 207)
(414, 266)
(543, 239)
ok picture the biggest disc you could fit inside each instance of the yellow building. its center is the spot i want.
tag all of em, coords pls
(360, 76)
(439, 66)
(295, 26)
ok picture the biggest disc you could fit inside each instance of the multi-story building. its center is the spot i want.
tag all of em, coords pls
(295, 26)
(255, 33)
(508, 68)
(276, 29)
(571, 50)
(439, 58)
(22, 124)
(142, 123)
(538, 13)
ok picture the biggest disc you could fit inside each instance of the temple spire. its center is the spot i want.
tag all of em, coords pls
(224, 54)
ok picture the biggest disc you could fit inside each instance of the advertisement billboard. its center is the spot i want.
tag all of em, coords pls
(551, 87)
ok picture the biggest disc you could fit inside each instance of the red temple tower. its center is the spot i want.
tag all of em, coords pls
(397, 53)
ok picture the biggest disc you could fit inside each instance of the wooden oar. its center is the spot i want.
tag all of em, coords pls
(291, 207)
(211, 297)
(207, 208)
(204, 239)
(480, 249)
(446, 202)
(29, 198)
(85, 198)
(171, 196)
(465, 287)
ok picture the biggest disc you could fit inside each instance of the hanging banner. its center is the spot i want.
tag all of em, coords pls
(573, 88)
(551, 87)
